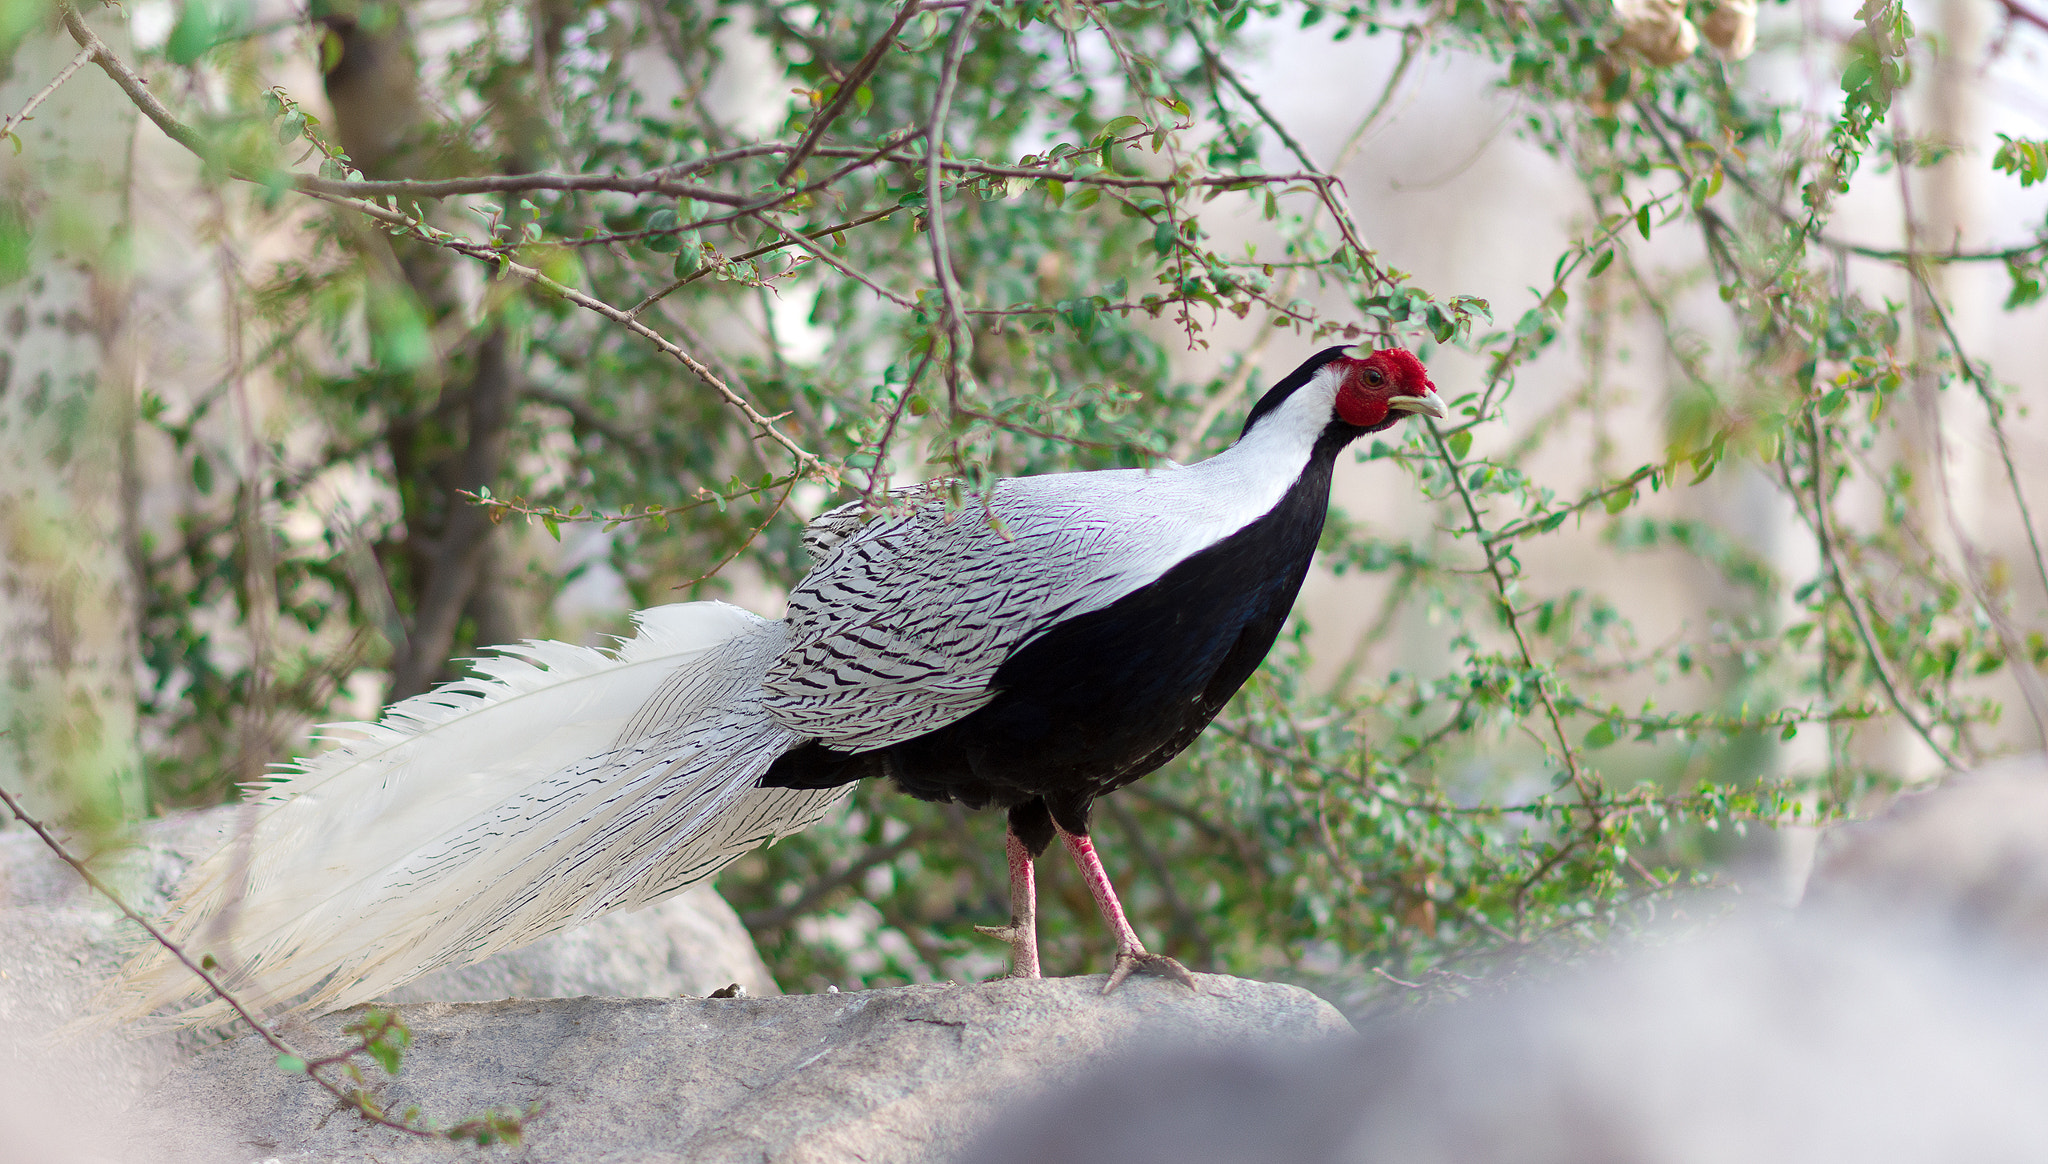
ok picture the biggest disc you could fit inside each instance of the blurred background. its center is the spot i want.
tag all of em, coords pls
(320, 376)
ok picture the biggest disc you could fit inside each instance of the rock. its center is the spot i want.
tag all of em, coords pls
(1899, 1015)
(900, 1075)
(61, 942)
(1755, 1042)
(692, 943)
(1968, 857)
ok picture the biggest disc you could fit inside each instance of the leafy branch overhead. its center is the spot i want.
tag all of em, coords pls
(605, 297)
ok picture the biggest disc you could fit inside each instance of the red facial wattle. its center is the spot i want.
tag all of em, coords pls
(1371, 385)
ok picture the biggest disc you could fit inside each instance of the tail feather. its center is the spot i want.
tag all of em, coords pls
(560, 784)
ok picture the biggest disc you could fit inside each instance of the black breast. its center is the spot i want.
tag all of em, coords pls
(1108, 696)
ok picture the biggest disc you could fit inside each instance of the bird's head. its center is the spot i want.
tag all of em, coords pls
(1380, 388)
(1350, 391)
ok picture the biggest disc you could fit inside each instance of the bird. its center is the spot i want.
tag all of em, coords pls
(1031, 648)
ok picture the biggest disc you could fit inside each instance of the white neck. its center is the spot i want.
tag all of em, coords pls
(1280, 444)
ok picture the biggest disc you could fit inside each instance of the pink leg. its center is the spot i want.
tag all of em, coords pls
(1022, 932)
(1130, 952)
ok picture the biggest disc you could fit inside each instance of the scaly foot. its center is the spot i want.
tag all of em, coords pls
(1023, 939)
(1129, 962)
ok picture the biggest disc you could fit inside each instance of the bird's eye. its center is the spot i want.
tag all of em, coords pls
(1375, 377)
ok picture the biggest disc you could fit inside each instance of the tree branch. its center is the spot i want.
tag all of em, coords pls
(1831, 561)
(43, 94)
(959, 340)
(848, 87)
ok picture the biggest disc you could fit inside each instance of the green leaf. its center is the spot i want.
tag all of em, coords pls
(2027, 280)
(1601, 735)
(1601, 264)
(291, 1064)
(1460, 443)
(1118, 127)
(1080, 315)
(202, 473)
(2027, 160)
(1643, 221)
(660, 220)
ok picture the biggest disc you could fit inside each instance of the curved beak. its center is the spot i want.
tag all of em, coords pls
(1428, 404)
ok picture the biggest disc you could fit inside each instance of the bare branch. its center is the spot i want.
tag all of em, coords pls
(1831, 561)
(43, 94)
(353, 1098)
(656, 182)
(959, 339)
(136, 88)
(848, 87)
(757, 252)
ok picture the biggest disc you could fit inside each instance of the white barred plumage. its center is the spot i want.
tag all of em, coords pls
(559, 784)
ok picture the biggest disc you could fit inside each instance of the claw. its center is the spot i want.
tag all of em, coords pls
(1129, 962)
(1022, 932)
(1023, 942)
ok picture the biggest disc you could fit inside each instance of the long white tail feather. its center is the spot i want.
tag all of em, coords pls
(559, 784)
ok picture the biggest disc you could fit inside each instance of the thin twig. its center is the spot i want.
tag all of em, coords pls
(808, 462)
(1974, 578)
(1995, 413)
(656, 182)
(757, 252)
(803, 243)
(131, 84)
(1831, 560)
(1328, 187)
(354, 1098)
(1587, 790)
(848, 87)
(959, 339)
(78, 62)
(725, 561)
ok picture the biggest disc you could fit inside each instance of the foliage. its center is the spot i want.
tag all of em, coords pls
(691, 321)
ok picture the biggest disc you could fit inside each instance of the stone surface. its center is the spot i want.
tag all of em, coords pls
(1969, 855)
(692, 943)
(901, 1075)
(1825, 1041)
(59, 942)
(1898, 1016)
